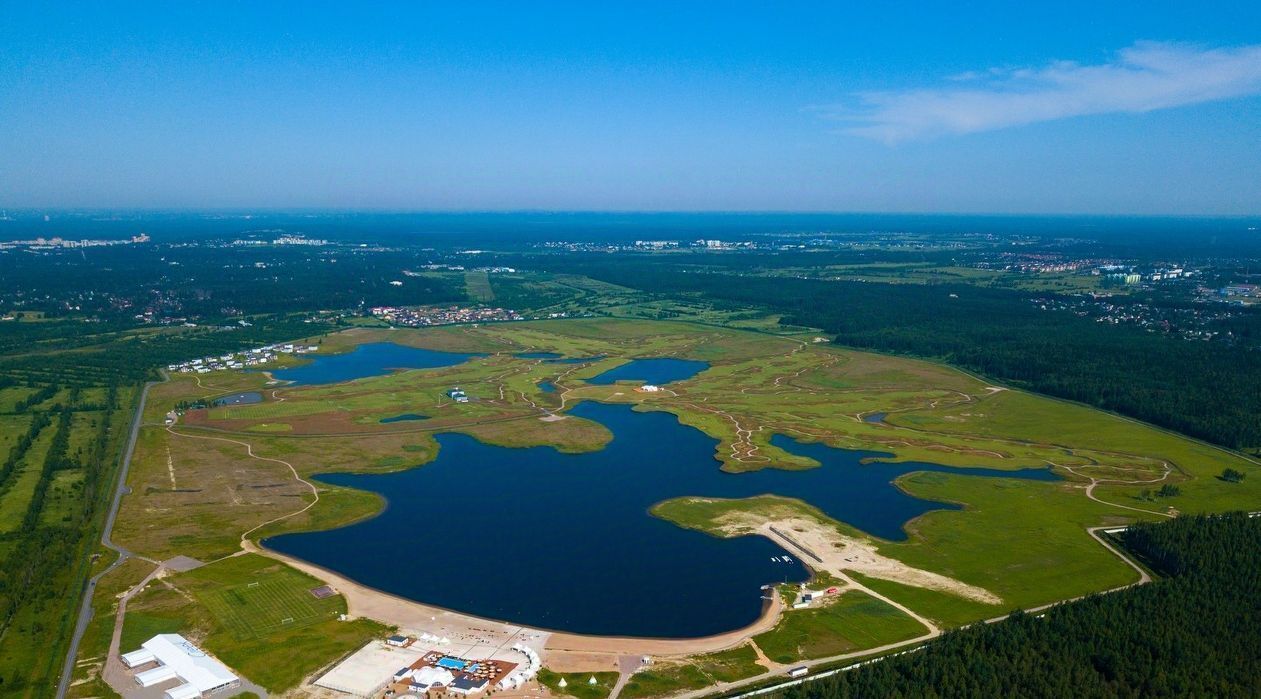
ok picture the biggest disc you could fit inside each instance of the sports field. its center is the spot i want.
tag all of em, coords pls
(258, 608)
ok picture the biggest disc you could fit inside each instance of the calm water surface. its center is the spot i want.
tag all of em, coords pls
(373, 359)
(405, 417)
(554, 358)
(565, 541)
(658, 371)
(245, 398)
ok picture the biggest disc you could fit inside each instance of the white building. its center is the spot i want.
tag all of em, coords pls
(176, 657)
(427, 677)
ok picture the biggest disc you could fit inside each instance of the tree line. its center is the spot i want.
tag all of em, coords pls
(1206, 390)
(1196, 632)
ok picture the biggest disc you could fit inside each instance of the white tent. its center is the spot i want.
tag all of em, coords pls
(137, 658)
(201, 673)
(183, 691)
(157, 675)
(428, 676)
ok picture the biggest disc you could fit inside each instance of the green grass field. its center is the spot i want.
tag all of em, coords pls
(96, 638)
(258, 608)
(16, 497)
(578, 684)
(856, 621)
(240, 609)
(477, 286)
(696, 672)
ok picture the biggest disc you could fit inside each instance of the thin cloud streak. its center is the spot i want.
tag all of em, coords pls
(1144, 77)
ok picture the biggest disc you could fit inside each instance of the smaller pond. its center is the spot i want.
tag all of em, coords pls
(547, 387)
(239, 399)
(554, 358)
(875, 417)
(373, 359)
(405, 417)
(657, 371)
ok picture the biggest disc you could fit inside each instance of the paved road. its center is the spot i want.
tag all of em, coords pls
(85, 608)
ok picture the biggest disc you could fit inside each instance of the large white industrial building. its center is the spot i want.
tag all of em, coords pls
(176, 657)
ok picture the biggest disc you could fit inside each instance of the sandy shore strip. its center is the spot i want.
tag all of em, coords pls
(564, 651)
(464, 630)
(618, 645)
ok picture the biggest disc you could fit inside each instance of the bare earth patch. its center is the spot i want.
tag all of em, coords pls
(824, 549)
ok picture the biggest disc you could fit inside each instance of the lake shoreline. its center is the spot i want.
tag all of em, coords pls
(566, 651)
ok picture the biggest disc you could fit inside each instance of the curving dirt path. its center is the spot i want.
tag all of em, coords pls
(1090, 489)
(249, 450)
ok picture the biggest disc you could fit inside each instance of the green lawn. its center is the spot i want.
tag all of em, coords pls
(16, 495)
(854, 622)
(96, 638)
(239, 611)
(946, 610)
(477, 286)
(698, 671)
(578, 684)
(275, 601)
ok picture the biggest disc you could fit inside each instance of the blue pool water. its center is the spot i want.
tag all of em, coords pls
(565, 541)
(547, 387)
(373, 359)
(661, 370)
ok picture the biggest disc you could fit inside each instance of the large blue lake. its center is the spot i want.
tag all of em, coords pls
(565, 541)
(656, 370)
(372, 359)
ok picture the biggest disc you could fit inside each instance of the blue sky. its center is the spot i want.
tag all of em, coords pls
(909, 107)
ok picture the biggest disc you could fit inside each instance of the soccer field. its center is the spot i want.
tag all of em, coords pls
(254, 609)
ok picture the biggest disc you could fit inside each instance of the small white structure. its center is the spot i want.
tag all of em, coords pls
(183, 691)
(649, 388)
(137, 658)
(156, 675)
(178, 658)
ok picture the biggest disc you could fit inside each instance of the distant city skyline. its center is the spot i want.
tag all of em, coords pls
(1072, 108)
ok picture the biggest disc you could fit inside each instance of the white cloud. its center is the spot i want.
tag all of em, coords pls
(1142, 78)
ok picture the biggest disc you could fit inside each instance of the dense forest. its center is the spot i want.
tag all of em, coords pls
(114, 284)
(1196, 632)
(1207, 391)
